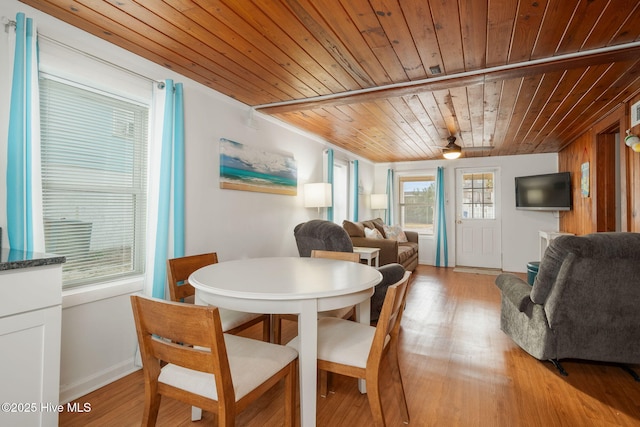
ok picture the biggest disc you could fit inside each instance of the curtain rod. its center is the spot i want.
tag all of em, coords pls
(12, 23)
(159, 83)
(8, 23)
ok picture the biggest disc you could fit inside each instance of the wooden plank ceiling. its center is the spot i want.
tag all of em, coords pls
(390, 80)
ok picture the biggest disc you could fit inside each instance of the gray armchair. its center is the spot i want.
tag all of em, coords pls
(328, 236)
(321, 235)
(584, 302)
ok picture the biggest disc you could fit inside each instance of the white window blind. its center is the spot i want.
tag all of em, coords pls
(94, 169)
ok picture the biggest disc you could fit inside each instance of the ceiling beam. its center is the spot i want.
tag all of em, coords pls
(612, 54)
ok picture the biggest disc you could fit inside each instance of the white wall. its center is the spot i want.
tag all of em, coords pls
(520, 243)
(98, 337)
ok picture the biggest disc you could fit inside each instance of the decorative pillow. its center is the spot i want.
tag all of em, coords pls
(379, 225)
(372, 233)
(395, 232)
(354, 229)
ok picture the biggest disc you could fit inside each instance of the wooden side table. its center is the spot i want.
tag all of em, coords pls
(368, 254)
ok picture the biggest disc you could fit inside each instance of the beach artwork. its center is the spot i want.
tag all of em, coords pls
(247, 168)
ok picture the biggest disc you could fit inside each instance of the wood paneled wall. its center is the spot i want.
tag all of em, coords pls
(580, 219)
(584, 217)
(633, 173)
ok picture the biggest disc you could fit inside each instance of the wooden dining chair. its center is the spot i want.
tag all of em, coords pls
(186, 356)
(358, 350)
(344, 256)
(233, 322)
(346, 313)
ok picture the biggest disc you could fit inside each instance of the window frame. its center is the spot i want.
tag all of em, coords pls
(341, 192)
(428, 229)
(131, 279)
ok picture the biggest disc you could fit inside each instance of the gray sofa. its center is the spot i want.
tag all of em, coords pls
(391, 251)
(584, 302)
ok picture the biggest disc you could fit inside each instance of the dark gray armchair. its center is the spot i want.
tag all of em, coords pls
(584, 303)
(321, 235)
(328, 236)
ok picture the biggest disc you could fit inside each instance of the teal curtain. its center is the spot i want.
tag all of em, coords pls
(171, 184)
(441, 223)
(356, 196)
(389, 214)
(330, 181)
(20, 137)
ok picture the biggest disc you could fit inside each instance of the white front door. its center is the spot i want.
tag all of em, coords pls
(478, 224)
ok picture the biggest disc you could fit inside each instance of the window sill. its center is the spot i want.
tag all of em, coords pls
(91, 293)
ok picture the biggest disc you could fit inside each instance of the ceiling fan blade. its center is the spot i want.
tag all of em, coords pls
(479, 148)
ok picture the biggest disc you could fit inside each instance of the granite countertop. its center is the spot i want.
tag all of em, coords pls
(11, 259)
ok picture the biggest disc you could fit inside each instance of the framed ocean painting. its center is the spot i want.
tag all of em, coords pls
(247, 168)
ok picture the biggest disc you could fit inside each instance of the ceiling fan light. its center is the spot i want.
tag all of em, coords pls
(451, 155)
(452, 150)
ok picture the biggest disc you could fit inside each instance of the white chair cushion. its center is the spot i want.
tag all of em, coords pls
(252, 362)
(231, 318)
(342, 341)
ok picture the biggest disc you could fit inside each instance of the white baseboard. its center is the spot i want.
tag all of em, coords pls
(91, 383)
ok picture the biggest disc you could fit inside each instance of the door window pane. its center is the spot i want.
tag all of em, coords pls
(478, 196)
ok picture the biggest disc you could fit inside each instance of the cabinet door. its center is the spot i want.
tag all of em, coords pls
(30, 367)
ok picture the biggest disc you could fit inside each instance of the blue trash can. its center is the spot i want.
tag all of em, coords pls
(532, 271)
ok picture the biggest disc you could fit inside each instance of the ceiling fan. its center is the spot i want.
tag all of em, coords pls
(453, 151)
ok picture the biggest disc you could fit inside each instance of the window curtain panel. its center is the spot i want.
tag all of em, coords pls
(24, 210)
(441, 223)
(330, 167)
(389, 214)
(356, 195)
(169, 232)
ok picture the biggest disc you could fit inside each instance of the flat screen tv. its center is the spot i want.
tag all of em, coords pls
(549, 192)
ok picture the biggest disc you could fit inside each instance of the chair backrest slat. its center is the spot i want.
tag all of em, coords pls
(182, 355)
(344, 256)
(179, 270)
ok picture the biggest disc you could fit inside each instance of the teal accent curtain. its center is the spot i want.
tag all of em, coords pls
(356, 195)
(441, 223)
(20, 137)
(171, 184)
(330, 181)
(389, 215)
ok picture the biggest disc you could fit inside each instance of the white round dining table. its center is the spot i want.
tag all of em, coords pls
(290, 285)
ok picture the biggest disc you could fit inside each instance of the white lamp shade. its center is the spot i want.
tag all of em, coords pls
(378, 201)
(317, 195)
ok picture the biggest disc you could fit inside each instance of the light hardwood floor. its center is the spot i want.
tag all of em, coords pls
(459, 369)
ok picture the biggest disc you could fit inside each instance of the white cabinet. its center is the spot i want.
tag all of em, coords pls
(30, 325)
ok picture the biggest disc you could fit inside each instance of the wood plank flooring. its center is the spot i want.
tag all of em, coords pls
(459, 369)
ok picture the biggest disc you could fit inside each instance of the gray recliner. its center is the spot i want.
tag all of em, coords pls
(325, 235)
(322, 235)
(584, 302)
